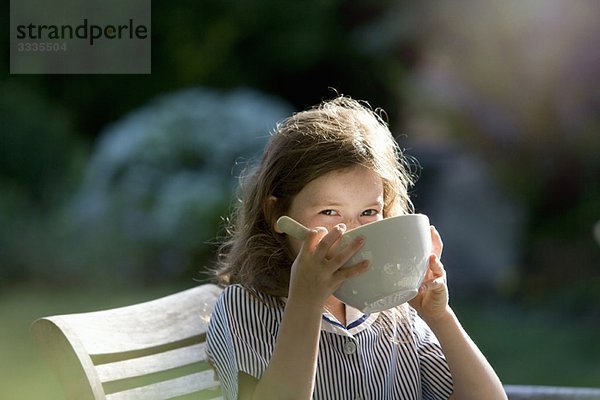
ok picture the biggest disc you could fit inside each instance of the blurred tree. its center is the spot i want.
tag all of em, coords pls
(296, 50)
(516, 81)
(158, 182)
(40, 154)
(39, 149)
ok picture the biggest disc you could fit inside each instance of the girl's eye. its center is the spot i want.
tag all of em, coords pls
(370, 212)
(328, 212)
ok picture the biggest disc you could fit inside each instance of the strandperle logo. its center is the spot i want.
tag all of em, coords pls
(85, 30)
(80, 37)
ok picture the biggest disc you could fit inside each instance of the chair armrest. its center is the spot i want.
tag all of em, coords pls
(525, 392)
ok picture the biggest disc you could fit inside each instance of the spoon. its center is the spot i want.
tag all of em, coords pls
(292, 227)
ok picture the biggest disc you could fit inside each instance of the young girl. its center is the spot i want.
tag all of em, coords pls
(277, 331)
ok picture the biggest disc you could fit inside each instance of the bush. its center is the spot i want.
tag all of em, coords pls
(160, 179)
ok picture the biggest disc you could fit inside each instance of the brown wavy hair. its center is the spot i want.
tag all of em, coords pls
(334, 135)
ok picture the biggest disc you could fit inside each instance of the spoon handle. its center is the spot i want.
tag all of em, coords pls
(292, 227)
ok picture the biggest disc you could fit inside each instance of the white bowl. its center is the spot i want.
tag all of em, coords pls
(398, 249)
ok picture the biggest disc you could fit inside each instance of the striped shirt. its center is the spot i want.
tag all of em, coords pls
(378, 356)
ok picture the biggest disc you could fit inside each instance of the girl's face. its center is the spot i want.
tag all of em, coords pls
(352, 196)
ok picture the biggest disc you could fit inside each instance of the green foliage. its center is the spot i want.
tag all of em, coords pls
(151, 194)
(297, 50)
(492, 84)
(39, 149)
(39, 159)
(480, 76)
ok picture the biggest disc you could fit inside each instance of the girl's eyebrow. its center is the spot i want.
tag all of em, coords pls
(331, 203)
(325, 204)
(376, 204)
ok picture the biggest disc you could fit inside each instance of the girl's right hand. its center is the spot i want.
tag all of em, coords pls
(318, 269)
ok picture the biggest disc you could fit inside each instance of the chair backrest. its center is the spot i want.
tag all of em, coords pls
(152, 351)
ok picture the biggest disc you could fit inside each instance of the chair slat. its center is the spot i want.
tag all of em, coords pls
(151, 364)
(199, 382)
(145, 325)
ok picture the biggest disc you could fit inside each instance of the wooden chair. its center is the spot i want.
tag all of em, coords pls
(151, 351)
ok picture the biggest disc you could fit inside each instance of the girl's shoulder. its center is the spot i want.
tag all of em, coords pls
(247, 312)
(236, 295)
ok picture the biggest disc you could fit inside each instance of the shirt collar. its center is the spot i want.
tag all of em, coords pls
(357, 321)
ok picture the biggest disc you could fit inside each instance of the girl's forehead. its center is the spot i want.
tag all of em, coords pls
(350, 174)
(356, 182)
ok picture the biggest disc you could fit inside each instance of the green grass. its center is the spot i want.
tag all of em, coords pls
(534, 346)
(525, 347)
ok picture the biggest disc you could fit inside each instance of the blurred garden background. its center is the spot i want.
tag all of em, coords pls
(113, 187)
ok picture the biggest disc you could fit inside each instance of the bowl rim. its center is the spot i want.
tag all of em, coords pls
(387, 220)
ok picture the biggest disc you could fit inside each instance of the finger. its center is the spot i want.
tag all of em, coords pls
(313, 238)
(346, 253)
(436, 242)
(436, 285)
(345, 273)
(328, 241)
(437, 269)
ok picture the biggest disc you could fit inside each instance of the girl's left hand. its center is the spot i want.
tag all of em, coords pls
(432, 300)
